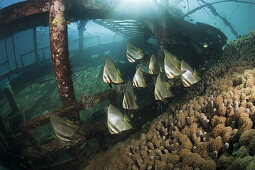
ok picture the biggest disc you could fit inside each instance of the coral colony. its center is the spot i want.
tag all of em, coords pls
(209, 131)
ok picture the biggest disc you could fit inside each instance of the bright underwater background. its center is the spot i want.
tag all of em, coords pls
(240, 15)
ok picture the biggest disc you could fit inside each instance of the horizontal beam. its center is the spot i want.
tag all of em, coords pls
(28, 14)
(87, 102)
(22, 16)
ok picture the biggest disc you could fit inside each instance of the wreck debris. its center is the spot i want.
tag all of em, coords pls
(87, 102)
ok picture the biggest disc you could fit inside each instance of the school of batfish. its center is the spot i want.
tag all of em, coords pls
(172, 69)
(173, 72)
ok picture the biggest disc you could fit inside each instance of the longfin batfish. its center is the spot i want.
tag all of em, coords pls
(110, 73)
(115, 120)
(190, 76)
(62, 128)
(171, 65)
(162, 88)
(129, 99)
(153, 65)
(134, 53)
(139, 79)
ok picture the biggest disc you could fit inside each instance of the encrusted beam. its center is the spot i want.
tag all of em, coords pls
(23, 15)
(28, 14)
(23, 9)
(45, 118)
(87, 102)
(60, 54)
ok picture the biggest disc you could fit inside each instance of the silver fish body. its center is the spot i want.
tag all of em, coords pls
(139, 79)
(129, 99)
(61, 128)
(110, 73)
(133, 53)
(115, 120)
(162, 89)
(171, 65)
(153, 65)
(189, 77)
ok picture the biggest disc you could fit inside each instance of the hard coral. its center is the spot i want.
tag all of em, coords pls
(225, 161)
(252, 146)
(246, 137)
(242, 152)
(197, 129)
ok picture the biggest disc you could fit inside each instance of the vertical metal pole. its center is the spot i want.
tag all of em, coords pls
(43, 54)
(161, 34)
(7, 57)
(14, 54)
(59, 53)
(81, 28)
(35, 45)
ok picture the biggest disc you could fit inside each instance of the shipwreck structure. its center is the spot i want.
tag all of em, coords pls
(170, 32)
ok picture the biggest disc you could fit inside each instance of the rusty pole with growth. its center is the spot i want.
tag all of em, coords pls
(59, 53)
(161, 33)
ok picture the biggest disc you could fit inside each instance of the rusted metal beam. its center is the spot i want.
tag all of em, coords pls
(45, 118)
(87, 102)
(99, 129)
(23, 9)
(29, 14)
(23, 15)
(60, 53)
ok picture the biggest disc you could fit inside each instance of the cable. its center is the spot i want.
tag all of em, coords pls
(209, 4)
